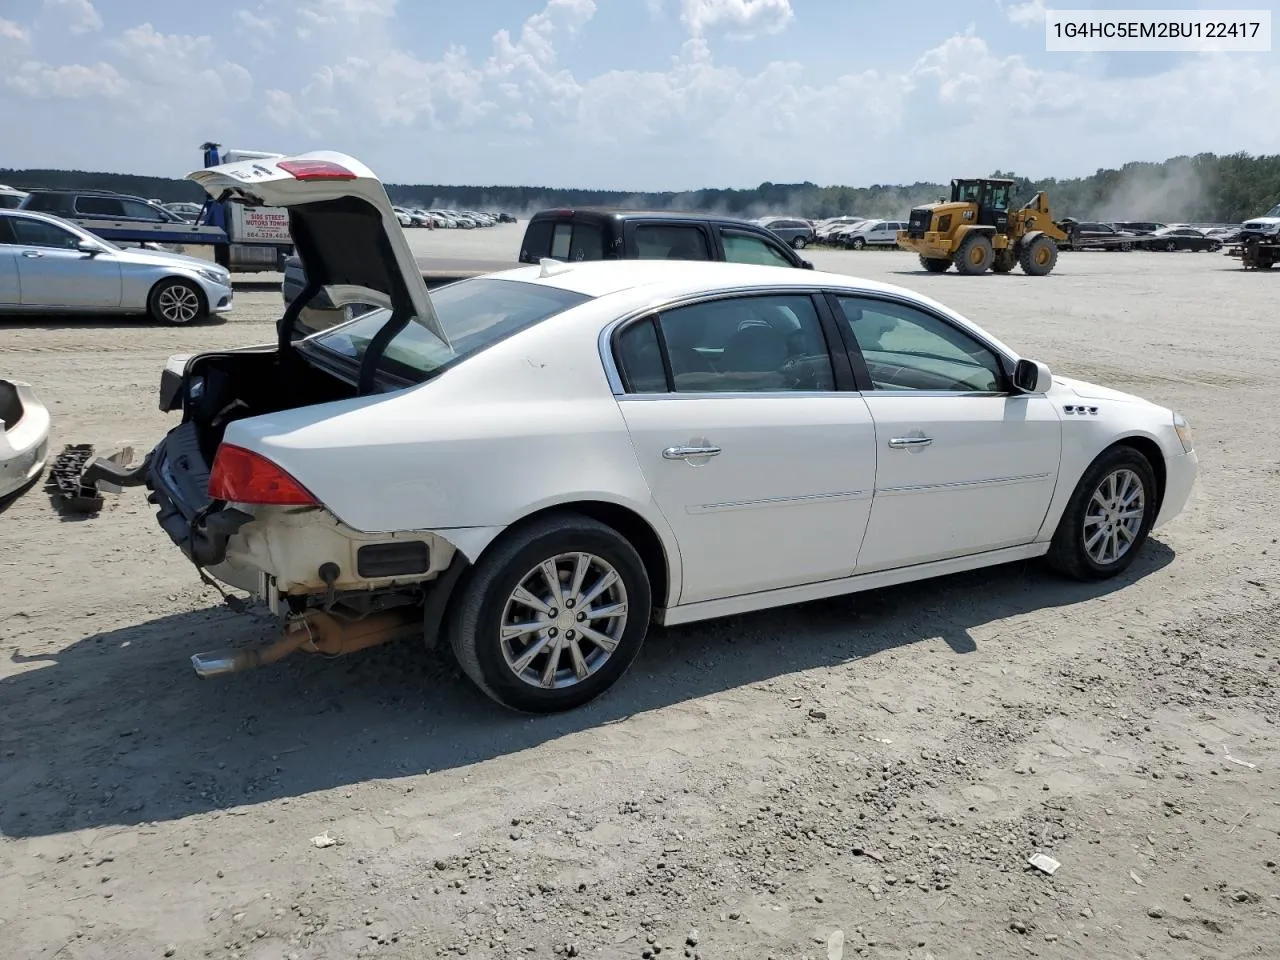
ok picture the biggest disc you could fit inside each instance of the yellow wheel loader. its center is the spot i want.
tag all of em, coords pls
(978, 232)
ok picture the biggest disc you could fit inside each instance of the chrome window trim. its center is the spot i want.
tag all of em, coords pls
(604, 341)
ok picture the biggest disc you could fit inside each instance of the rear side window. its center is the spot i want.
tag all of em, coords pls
(47, 202)
(744, 248)
(99, 207)
(137, 210)
(639, 358)
(537, 241)
(576, 240)
(6, 231)
(655, 241)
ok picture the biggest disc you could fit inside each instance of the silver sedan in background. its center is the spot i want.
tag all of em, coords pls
(50, 265)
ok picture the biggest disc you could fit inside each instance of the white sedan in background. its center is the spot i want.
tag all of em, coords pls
(50, 265)
(538, 464)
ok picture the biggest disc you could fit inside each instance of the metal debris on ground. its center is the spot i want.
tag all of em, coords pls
(1044, 863)
(64, 479)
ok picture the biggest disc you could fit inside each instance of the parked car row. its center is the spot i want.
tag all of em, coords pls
(444, 219)
(1141, 235)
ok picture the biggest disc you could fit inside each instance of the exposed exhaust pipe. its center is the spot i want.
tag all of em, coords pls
(313, 632)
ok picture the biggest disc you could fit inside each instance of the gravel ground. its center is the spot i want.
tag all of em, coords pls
(855, 777)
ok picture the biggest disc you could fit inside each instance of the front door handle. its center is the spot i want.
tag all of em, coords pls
(907, 443)
(689, 453)
(32, 254)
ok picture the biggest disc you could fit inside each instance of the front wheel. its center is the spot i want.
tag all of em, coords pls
(176, 301)
(1108, 517)
(552, 615)
(858, 243)
(935, 264)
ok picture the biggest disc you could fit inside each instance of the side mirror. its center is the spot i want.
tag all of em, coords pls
(89, 247)
(1029, 376)
(806, 264)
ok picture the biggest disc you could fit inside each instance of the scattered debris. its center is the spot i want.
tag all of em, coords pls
(860, 852)
(817, 714)
(64, 480)
(1226, 755)
(835, 945)
(324, 840)
(1044, 863)
(1136, 879)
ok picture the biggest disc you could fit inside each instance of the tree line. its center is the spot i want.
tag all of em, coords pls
(1205, 187)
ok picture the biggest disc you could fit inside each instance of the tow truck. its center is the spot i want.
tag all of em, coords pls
(252, 238)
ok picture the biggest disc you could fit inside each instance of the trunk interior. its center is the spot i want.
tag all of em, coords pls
(250, 384)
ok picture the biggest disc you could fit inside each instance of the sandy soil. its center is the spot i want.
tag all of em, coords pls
(881, 765)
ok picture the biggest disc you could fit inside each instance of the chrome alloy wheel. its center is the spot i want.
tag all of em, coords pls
(178, 303)
(563, 620)
(1114, 516)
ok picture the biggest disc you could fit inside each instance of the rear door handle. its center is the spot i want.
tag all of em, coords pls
(32, 254)
(906, 443)
(689, 453)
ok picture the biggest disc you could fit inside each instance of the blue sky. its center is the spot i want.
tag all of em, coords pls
(624, 94)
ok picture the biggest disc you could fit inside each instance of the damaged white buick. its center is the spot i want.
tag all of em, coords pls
(536, 465)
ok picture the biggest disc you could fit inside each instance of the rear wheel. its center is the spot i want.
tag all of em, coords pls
(1126, 245)
(799, 243)
(935, 264)
(1038, 257)
(176, 301)
(1171, 245)
(975, 254)
(1108, 517)
(553, 615)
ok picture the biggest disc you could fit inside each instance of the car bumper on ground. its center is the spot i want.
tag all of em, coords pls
(24, 436)
(1180, 478)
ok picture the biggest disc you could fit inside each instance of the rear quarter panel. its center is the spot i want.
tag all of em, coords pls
(527, 424)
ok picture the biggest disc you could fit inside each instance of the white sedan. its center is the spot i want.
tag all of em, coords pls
(538, 464)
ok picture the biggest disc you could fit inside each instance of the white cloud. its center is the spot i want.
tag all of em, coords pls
(1032, 11)
(738, 19)
(78, 16)
(11, 31)
(257, 24)
(74, 81)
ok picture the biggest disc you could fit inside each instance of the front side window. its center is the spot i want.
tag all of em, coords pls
(659, 241)
(475, 313)
(37, 233)
(141, 211)
(743, 344)
(908, 349)
(744, 248)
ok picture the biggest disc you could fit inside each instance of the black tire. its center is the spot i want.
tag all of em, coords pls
(1068, 553)
(935, 264)
(476, 615)
(799, 243)
(975, 255)
(1126, 245)
(1038, 257)
(1171, 246)
(177, 302)
(857, 243)
(1004, 261)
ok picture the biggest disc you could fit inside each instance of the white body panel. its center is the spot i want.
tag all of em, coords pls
(784, 503)
(983, 480)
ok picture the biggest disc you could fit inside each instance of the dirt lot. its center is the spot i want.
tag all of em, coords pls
(881, 765)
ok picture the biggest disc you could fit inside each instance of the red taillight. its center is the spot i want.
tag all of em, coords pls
(315, 170)
(242, 476)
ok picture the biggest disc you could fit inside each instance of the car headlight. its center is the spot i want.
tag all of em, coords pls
(1183, 429)
(216, 276)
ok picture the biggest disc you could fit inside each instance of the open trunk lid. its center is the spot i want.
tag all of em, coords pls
(343, 226)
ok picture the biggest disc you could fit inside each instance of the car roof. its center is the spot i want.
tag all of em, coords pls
(600, 278)
(614, 213)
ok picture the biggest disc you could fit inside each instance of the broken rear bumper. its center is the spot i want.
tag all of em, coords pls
(178, 481)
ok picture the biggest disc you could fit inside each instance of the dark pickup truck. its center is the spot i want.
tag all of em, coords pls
(583, 234)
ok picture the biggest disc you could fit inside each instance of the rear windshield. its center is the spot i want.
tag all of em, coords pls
(475, 313)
